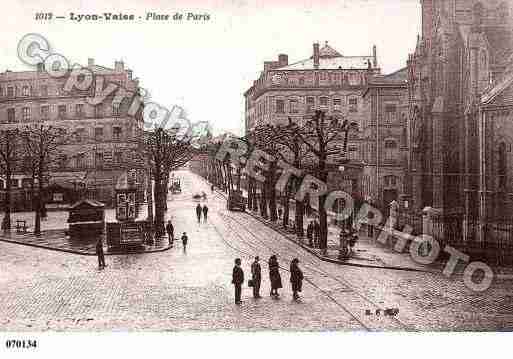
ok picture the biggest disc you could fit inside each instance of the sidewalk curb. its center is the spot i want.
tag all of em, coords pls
(82, 253)
(330, 260)
(323, 258)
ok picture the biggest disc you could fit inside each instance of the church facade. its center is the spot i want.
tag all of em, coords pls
(460, 128)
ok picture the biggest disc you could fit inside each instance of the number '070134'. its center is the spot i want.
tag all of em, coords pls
(20, 344)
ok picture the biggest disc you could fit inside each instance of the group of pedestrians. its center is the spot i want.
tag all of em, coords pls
(313, 233)
(170, 229)
(200, 210)
(296, 278)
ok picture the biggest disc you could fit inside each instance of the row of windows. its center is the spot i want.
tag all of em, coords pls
(323, 103)
(62, 112)
(27, 91)
(340, 78)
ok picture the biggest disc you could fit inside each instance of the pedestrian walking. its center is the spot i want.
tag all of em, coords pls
(170, 232)
(309, 233)
(212, 188)
(184, 241)
(256, 277)
(296, 278)
(274, 276)
(237, 280)
(100, 254)
(316, 233)
(198, 212)
(280, 213)
(205, 213)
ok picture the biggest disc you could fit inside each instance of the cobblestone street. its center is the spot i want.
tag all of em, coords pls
(173, 290)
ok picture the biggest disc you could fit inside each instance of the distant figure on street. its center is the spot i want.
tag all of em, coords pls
(296, 278)
(237, 280)
(280, 213)
(212, 188)
(170, 232)
(205, 213)
(309, 233)
(184, 241)
(274, 276)
(100, 254)
(256, 276)
(198, 212)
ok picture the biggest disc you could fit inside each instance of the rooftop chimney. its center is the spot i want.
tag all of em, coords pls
(119, 66)
(283, 60)
(375, 56)
(316, 55)
(90, 62)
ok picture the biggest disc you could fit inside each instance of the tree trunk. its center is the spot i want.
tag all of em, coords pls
(272, 192)
(159, 206)
(299, 213)
(323, 216)
(149, 196)
(39, 204)
(6, 222)
(286, 206)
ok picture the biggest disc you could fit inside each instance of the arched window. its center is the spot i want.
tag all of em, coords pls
(390, 149)
(25, 90)
(478, 13)
(390, 181)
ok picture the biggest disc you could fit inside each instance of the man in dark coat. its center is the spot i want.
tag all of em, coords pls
(170, 232)
(256, 276)
(205, 212)
(237, 280)
(296, 278)
(100, 254)
(198, 212)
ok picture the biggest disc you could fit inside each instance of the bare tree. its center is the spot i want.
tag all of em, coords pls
(165, 150)
(322, 138)
(9, 156)
(41, 145)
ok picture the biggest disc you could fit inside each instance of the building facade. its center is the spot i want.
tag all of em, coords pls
(327, 81)
(104, 138)
(459, 119)
(384, 132)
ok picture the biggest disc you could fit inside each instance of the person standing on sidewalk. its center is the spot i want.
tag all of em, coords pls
(205, 213)
(296, 278)
(274, 276)
(170, 232)
(237, 280)
(256, 276)
(184, 241)
(100, 254)
(198, 212)
(309, 233)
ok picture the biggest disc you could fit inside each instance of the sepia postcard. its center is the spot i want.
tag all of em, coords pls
(289, 174)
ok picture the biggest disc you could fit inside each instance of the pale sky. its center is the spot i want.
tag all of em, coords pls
(205, 66)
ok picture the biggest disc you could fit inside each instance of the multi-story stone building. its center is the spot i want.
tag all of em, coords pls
(104, 135)
(460, 79)
(328, 81)
(384, 132)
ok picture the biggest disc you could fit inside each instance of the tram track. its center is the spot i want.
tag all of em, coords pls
(310, 264)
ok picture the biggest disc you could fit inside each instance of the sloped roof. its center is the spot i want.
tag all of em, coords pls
(87, 202)
(398, 77)
(332, 63)
(328, 51)
(504, 83)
